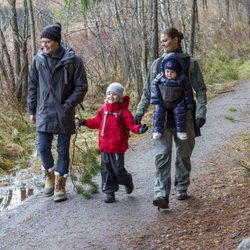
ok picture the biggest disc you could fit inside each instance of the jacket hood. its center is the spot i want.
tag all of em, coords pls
(125, 101)
(119, 105)
(181, 53)
(64, 52)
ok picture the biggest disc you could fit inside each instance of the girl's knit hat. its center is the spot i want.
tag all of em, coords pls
(116, 88)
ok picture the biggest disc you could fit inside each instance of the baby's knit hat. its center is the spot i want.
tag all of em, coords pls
(53, 32)
(172, 64)
(116, 88)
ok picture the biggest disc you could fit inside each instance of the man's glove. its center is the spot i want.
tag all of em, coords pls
(200, 122)
(143, 129)
(81, 122)
(137, 119)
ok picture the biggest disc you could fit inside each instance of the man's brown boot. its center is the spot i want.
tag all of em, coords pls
(60, 193)
(49, 183)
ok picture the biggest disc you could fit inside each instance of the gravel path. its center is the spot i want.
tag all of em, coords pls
(78, 223)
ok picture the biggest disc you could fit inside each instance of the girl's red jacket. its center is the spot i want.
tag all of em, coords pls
(113, 121)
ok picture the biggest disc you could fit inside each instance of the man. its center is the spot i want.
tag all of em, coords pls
(57, 83)
(171, 42)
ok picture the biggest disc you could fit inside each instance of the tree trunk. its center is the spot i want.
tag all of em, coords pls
(7, 64)
(204, 4)
(166, 14)
(4, 76)
(192, 27)
(32, 26)
(127, 63)
(136, 77)
(155, 44)
(227, 7)
(248, 15)
(16, 42)
(144, 40)
(22, 74)
(183, 26)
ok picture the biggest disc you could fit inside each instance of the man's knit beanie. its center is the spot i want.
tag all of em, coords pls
(116, 88)
(172, 64)
(53, 32)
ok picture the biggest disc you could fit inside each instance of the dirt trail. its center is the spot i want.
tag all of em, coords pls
(39, 223)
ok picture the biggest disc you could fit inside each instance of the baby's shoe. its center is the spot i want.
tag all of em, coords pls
(182, 135)
(156, 135)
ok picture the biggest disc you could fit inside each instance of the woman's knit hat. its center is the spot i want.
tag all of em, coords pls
(116, 88)
(53, 32)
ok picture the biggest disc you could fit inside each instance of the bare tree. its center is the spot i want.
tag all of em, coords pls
(247, 3)
(16, 40)
(180, 10)
(155, 46)
(15, 65)
(192, 26)
(32, 26)
(144, 43)
(7, 66)
(166, 14)
(227, 8)
(204, 4)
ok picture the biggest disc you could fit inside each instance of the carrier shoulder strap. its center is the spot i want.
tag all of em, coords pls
(186, 64)
(158, 66)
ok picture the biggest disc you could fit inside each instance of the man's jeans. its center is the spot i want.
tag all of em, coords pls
(45, 146)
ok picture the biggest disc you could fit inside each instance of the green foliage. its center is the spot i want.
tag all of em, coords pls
(6, 165)
(247, 141)
(220, 67)
(229, 118)
(245, 151)
(87, 190)
(233, 110)
(84, 167)
(244, 70)
(84, 5)
(16, 133)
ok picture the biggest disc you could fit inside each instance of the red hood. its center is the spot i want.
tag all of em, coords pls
(119, 105)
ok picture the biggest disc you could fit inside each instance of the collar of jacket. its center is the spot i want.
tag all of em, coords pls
(58, 53)
(114, 107)
(65, 54)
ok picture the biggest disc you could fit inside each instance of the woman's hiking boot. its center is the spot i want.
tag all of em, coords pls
(181, 194)
(49, 182)
(60, 193)
(109, 197)
(129, 188)
(161, 202)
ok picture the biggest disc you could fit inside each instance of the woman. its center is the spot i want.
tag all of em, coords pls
(171, 42)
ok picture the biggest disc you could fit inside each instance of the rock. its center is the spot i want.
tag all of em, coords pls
(244, 244)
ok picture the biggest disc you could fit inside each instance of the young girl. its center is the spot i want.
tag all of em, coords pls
(113, 119)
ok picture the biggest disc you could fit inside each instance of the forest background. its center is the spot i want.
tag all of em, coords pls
(117, 40)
